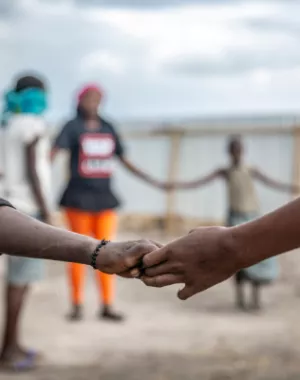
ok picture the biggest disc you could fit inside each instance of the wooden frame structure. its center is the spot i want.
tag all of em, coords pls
(176, 134)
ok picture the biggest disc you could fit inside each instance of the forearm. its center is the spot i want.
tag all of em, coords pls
(191, 185)
(276, 185)
(24, 236)
(139, 173)
(271, 235)
(136, 171)
(283, 187)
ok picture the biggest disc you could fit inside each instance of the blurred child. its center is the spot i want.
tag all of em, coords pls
(27, 185)
(88, 200)
(243, 206)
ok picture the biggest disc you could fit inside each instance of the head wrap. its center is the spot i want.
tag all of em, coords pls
(88, 88)
(28, 101)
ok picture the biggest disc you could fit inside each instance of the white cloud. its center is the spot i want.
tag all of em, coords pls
(190, 59)
(191, 30)
(4, 30)
(262, 77)
(102, 61)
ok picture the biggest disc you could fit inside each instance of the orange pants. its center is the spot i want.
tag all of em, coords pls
(100, 225)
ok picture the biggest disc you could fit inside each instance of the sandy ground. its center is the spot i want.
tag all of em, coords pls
(163, 338)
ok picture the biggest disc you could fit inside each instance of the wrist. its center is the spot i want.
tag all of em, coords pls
(87, 249)
(233, 246)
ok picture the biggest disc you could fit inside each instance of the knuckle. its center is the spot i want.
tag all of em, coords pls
(143, 242)
(152, 281)
(147, 281)
(129, 261)
(176, 266)
(145, 261)
(144, 245)
(157, 283)
(169, 253)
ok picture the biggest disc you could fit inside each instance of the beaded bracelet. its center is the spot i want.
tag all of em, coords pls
(96, 252)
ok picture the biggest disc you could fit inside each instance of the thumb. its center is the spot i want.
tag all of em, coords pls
(186, 293)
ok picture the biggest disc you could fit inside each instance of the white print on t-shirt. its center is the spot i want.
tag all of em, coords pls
(103, 147)
(96, 155)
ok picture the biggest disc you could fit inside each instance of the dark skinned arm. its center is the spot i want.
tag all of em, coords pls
(208, 256)
(274, 184)
(140, 174)
(30, 154)
(220, 173)
(21, 235)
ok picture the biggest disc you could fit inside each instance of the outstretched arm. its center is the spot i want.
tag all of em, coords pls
(201, 181)
(208, 256)
(278, 185)
(140, 173)
(21, 235)
(34, 180)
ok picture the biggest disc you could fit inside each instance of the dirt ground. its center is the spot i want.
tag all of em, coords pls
(163, 338)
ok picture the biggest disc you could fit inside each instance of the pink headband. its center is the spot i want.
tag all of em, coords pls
(86, 89)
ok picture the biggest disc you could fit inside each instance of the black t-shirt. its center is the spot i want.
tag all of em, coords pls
(3, 202)
(91, 164)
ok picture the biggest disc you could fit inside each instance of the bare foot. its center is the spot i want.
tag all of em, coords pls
(19, 360)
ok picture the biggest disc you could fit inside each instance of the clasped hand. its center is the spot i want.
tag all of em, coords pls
(199, 260)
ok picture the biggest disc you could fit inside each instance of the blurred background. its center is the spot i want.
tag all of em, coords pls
(180, 77)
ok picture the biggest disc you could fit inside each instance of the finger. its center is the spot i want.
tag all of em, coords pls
(163, 280)
(137, 252)
(186, 292)
(155, 257)
(158, 245)
(131, 273)
(163, 268)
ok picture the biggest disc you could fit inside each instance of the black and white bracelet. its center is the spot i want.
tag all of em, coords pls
(96, 252)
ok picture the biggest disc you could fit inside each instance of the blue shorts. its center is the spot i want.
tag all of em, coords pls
(267, 270)
(24, 271)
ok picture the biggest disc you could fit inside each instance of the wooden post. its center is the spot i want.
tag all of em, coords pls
(174, 159)
(296, 160)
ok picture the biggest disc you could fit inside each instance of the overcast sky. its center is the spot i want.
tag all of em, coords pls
(159, 57)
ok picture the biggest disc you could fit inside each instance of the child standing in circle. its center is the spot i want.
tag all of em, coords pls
(243, 206)
(26, 184)
(89, 202)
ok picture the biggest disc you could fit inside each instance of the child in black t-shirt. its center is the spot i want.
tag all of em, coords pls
(89, 202)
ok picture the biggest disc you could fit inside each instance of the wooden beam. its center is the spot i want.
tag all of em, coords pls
(213, 131)
(174, 159)
(296, 158)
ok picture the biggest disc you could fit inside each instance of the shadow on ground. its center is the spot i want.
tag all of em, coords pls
(174, 367)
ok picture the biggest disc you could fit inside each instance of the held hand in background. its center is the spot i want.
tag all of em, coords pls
(163, 185)
(160, 185)
(125, 258)
(199, 260)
